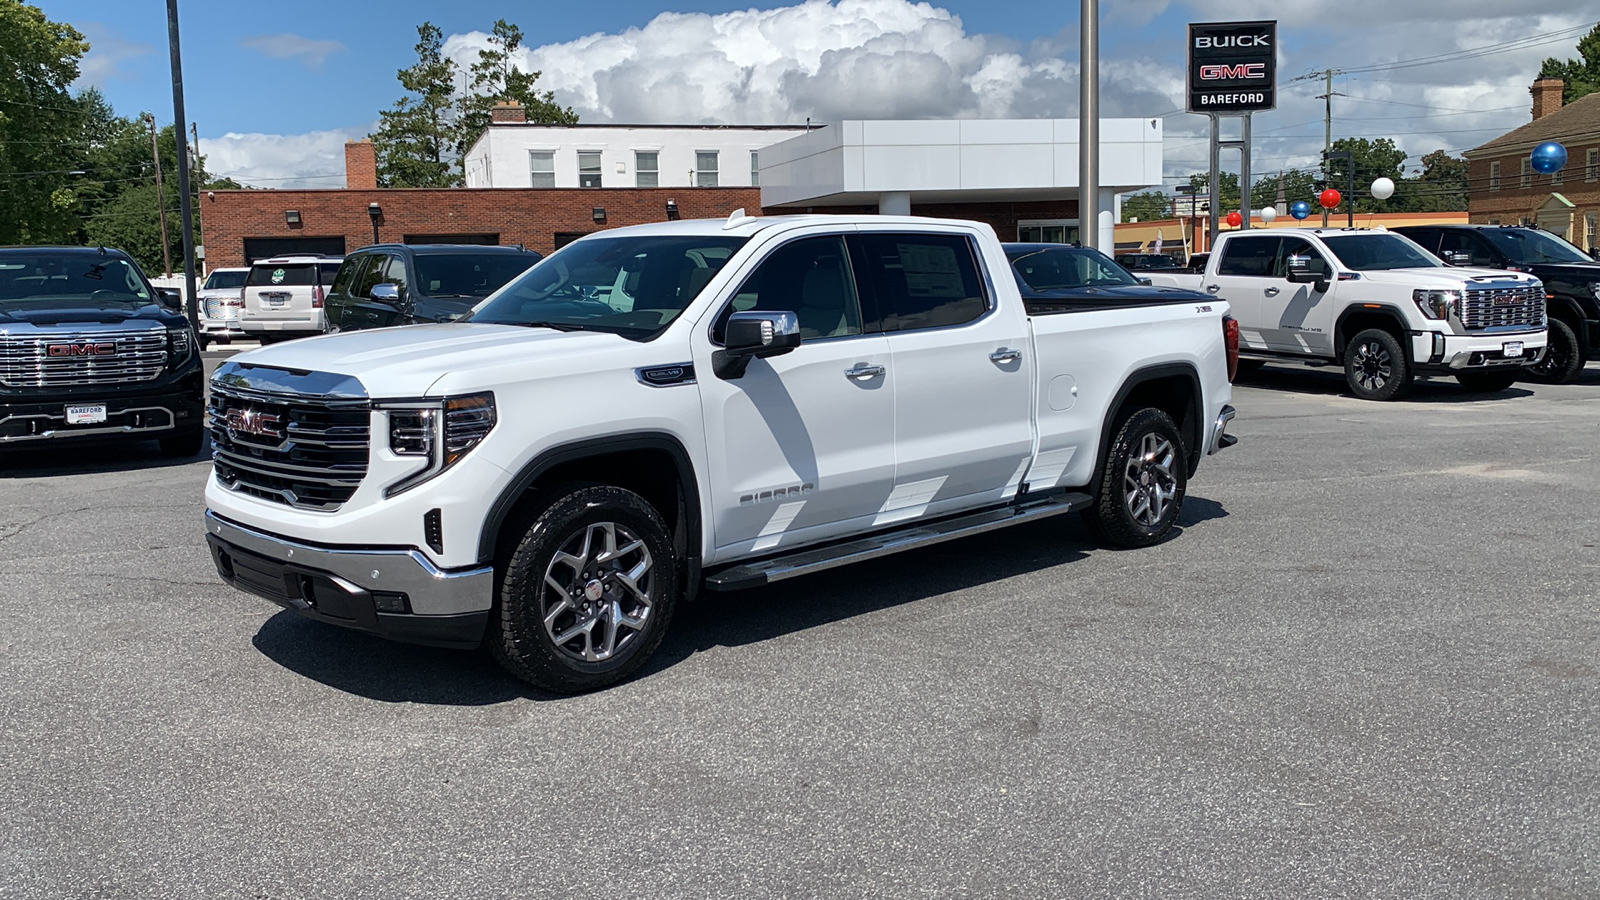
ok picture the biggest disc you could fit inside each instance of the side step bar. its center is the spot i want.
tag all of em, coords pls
(817, 559)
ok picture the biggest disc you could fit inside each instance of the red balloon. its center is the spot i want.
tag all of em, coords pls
(1329, 198)
(1234, 219)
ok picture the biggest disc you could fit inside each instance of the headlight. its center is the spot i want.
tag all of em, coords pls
(441, 431)
(178, 343)
(1437, 304)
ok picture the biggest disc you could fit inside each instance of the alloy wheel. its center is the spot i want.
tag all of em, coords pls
(1373, 366)
(597, 595)
(1149, 484)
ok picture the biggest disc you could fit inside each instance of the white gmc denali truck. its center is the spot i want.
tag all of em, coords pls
(657, 409)
(1374, 302)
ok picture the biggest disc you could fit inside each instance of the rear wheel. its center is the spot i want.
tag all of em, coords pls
(1143, 484)
(588, 593)
(1487, 382)
(203, 341)
(1563, 357)
(1375, 366)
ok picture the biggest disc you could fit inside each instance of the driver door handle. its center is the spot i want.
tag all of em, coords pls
(1005, 356)
(1272, 292)
(863, 370)
(1213, 288)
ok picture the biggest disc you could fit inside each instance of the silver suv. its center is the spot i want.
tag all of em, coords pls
(221, 305)
(283, 296)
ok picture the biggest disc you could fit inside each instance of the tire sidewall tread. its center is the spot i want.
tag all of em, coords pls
(1400, 378)
(1108, 519)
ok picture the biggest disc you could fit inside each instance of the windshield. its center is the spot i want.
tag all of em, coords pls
(1532, 247)
(476, 275)
(224, 280)
(1069, 267)
(632, 286)
(1374, 252)
(46, 281)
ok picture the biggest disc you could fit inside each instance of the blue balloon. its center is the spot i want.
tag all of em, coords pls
(1549, 157)
(1300, 209)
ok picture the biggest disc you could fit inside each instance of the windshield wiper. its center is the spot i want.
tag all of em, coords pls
(555, 326)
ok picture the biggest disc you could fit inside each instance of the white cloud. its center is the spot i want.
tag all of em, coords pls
(311, 160)
(293, 46)
(108, 57)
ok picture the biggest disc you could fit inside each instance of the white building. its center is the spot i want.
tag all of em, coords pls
(515, 154)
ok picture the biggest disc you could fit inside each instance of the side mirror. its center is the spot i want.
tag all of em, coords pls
(1145, 281)
(754, 335)
(386, 293)
(1458, 257)
(171, 298)
(1299, 271)
(1594, 252)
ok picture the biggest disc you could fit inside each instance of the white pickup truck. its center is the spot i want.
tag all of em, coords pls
(1374, 302)
(657, 409)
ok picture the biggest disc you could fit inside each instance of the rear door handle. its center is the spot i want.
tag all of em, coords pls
(1004, 356)
(1213, 288)
(1272, 292)
(863, 370)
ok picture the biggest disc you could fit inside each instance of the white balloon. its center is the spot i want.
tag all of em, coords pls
(1268, 214)
(1383, 189)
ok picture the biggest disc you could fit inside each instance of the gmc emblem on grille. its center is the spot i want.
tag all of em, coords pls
(93, 348)
(1506, 299)
(251, 421)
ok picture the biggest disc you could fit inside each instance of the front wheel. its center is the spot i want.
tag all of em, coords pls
(1563, 357)
(1487, 382)
(588, 593)
(1375, 366)
(1143, 483)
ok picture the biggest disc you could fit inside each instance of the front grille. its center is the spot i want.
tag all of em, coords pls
(223, 307)
(66, 358)
(1518, 307)
(306, 452)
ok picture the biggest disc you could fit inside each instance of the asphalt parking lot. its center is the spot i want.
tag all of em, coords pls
(1369, 666)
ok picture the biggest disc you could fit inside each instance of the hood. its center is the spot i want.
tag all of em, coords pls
(1579, 272)
(83, 312)
(407, 361)
(1446, 278)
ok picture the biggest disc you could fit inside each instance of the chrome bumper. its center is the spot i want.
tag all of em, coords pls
(428, 590)
(1220, 438)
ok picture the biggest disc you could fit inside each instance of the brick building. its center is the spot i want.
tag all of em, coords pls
(1504, 189)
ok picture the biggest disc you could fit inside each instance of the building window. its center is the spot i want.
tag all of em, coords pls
(1591, 165)
(755, 168)
(1558, 177)
(1057, 231)
(589, 168)
(1494, 175)
(1494, 221)
(705, 168)
(1526, 179)
(646, 168)
(1591, 227)
(542, 168)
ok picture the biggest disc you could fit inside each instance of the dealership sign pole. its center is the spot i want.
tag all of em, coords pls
(1233, 72)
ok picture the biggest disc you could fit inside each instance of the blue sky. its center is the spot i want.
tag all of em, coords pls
(292, 79)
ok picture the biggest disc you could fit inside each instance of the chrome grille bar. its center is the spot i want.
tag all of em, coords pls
(1519, 308)
(25, 359)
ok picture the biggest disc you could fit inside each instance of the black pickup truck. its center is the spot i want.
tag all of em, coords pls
(1083, 278)
(90, 349)
(1571, 284)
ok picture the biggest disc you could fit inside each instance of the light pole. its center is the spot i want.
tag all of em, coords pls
(185, 207)
(1089, 126)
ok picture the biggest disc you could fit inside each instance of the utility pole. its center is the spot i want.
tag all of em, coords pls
(1327, 124)
(161, 197)
(185, 207)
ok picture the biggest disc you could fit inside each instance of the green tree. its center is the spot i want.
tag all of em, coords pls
(1297, 185)
(1229, 187)
(496, 79)
(1373, 159)
(1581, 75)
(417, 137)
(1441, 187)
(39, 122)
(1146, 207)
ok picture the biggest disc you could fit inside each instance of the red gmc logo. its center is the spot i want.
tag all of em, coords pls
(1229, 73)
(250, 421)
(89, 349)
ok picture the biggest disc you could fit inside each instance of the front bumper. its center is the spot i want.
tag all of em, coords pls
(1438, 352)
(137, 417)
(222, 328)
(392, 592)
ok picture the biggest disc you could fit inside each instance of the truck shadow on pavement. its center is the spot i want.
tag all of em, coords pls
(1329, 381)
(391, 672)
(50, 460)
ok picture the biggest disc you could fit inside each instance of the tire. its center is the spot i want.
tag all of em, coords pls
(1563, 358)
(560, 631)
(1488, 382)
(184, 444)
(1143, 484)
(203, 341)
(1375, 366)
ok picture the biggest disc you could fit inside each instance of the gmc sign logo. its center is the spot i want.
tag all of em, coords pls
(1229, 73)
(251, 421)
(96, 348)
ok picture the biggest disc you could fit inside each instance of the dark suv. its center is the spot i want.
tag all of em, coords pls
(1571, 283)
(90, 349)
(1135, 262)
(405, 284)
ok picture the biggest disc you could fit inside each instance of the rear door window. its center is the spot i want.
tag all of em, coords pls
(1251, 257)
(923, 280)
